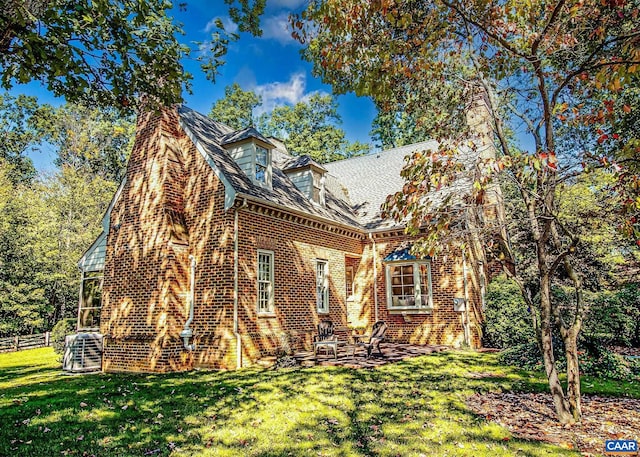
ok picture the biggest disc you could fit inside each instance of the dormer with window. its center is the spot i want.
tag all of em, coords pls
(252, 152)
(309, 177)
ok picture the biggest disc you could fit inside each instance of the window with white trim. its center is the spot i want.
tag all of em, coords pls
(90, 300)
(409, 285)
(322, 286)
(262, 160)
(348, 282)
(265, 282)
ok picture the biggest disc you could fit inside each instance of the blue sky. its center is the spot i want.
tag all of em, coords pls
(270, 65)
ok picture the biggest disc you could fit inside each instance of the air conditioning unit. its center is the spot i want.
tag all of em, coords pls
(82, 352)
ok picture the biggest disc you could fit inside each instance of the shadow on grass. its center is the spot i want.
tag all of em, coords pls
(415, 407)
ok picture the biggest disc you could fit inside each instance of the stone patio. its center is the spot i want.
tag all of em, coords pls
(392, 352)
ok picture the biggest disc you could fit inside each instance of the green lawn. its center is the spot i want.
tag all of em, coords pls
(413, 408)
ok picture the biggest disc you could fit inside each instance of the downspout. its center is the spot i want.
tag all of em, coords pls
(236, 331)
(375, 276)
(187, 332)
(467, 332)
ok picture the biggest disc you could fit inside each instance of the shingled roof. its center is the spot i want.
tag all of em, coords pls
(356, 187)
(209, 134)
(369, 179)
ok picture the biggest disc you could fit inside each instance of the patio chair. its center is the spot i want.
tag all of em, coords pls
(377, 336)
(325, 338)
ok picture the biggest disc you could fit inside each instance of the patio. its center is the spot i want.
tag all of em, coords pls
(347, 357)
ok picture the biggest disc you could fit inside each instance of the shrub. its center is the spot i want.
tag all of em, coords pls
(508, 322)
(63, 328)
(613, 317)
(526, 356)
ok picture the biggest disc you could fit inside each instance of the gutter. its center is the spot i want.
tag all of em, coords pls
(187, 333)
(465, 272)
(374, 247)
(236, 331)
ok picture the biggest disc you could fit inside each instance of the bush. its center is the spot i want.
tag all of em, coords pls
(508, 322)
(63, 328)
(526, 356)
(614, 317)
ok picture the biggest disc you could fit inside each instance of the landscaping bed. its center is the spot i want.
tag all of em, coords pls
(531, 416)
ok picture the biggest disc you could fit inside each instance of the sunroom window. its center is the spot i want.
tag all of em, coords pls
(409, 285)
(90, 301)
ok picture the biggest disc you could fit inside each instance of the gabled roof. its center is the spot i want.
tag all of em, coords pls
(356, 187)
(301, 162)
(241, 135)
(208, 135)
(369, 179)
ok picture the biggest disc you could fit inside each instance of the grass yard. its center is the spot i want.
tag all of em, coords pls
(413, 408)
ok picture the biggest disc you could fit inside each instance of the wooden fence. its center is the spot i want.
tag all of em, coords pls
(19, 343)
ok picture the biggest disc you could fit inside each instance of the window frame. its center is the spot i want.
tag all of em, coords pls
(270, 309)
(93, 276)
(322, 290)
(349, 282)
(263, 167)
(417, 286)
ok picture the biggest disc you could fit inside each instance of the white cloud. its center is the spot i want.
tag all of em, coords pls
(229, 25)
(282, 93)
(277, 28)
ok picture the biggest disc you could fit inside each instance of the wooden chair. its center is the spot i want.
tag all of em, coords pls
(377, 336)
(325, 338)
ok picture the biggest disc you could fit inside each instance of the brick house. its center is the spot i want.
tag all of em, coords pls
(219, 245)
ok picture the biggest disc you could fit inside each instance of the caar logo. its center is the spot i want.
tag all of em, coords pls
(621, 447)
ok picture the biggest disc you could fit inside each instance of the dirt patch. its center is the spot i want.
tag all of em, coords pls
(532, 417)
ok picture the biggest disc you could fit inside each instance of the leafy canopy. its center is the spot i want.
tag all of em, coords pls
(535, 86)
(235, 109)
(311, 127)
(108, 52)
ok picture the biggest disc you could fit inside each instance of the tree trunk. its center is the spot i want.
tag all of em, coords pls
(573, 373)
(562, 406)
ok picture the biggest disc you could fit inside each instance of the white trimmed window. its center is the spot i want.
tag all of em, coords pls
(265, 282)
(348, 282)
(322, 286)
(90, 300)
(409, 285)
(262, 160)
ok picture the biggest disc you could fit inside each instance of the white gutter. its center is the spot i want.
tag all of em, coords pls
(467, 332)
(375, 276)
(187, 332)
(236, 331)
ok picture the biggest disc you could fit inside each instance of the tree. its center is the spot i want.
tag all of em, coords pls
(95, 142)
(392, 129)
(66, 218)
(236, 108)
(44, 228)
(310, 127)
(19, 119)
(527, 69)
(108, 52)
(21, 299)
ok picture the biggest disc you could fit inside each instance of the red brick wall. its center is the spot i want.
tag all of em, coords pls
(443, 325)
(172, 207)
(144, 282)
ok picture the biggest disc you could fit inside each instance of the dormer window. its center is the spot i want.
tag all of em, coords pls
(317, 193)
(252, 152)
(262, 160)
(308, 176)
